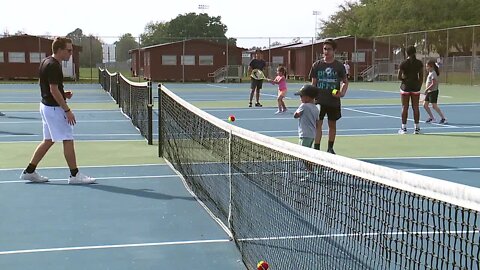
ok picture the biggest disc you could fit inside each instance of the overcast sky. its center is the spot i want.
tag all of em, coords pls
(107, 18)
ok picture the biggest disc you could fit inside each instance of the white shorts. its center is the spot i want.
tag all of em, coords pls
(55, 125)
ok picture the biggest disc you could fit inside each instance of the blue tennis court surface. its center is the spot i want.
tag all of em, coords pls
(141, 216)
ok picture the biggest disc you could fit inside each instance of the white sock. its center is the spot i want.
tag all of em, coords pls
(404, 126)
(417, 126)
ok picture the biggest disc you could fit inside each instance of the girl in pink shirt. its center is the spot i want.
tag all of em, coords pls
(281, 80)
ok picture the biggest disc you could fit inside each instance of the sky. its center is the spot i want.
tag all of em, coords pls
(107, 18)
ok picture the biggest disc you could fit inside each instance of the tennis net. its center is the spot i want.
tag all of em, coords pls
(134, 99)
(299, 208)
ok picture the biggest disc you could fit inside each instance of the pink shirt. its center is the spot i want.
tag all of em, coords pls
(282, 83)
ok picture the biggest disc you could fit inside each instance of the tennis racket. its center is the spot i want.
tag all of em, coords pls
(257, 74)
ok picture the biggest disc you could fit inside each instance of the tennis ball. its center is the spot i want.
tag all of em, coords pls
(334, 91)
(262, 265)
(231, 118)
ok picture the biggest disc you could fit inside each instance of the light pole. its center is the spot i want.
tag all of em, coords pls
(316, 13)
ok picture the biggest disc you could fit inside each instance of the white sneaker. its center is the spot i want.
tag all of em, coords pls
(278, 112)
(402, 131)
(80, 179)
(33, 177)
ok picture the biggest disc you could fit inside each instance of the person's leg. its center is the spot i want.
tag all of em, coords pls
(252, 91)
(415, 107)
(429, 112)
(405, 101)
(405, 105)
(319, 124)
(332, 133)
(437, 109)
(257, 96)
(40, 151)
(279, 103)
(416, 112)
(69, 153)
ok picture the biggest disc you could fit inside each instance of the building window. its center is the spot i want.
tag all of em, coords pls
(187, 60)
(277, 59)
(169, 60)
(36, 57)
(358, 57)
(205, 60)
(1, 57)
(16, 57)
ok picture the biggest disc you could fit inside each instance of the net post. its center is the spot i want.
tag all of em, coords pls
(117, 89)
(230, 199)
(160, 121)
(150, 114)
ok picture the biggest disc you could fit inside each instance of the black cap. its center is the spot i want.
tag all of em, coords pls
(308, 90)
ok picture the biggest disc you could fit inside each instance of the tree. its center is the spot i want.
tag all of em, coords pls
(189, 25)
(366, 18)
(123, 45)
(91, 53)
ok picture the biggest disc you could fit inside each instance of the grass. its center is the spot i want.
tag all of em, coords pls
(17, 154)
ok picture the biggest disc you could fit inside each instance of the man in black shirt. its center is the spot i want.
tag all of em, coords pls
(256, 85)
(328, 75)
(58, 119)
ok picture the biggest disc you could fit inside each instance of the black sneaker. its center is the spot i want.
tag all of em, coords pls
(258, 104)
(416, 131)
(250, 104)
(2, 114)
(331, 151)
(443, 121)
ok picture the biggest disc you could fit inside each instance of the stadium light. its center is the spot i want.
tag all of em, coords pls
(316, 13)
(203, 7)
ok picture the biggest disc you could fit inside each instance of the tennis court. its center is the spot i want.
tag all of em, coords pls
(140, 215)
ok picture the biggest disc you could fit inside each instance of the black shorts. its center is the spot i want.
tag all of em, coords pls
(256, 84)
(333, 113)
(432, 97)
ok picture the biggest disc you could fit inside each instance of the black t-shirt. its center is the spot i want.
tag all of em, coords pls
(329, 76)
(257, 64)
(50, 73)
(411, 69)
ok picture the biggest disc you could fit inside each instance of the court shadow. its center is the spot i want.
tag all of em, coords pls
(143, 193)
(392, 164)
(15, 133)
(23, 118)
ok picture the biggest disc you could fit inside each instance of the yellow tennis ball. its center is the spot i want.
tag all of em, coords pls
(334, 91)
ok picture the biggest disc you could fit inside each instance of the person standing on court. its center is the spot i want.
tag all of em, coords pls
(347, 68)
(57, 117)
(411, 75)
(431, 92)
(256, 85)
(328, 74)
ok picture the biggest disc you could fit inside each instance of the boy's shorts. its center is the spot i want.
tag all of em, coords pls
(55, 125)
(307, 142)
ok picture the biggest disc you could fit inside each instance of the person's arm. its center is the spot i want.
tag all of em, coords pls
(298, 112)
(343, 87)
(420, 76)
(61, 102)
(400, 74)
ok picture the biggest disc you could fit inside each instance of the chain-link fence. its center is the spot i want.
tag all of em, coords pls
(222, 60)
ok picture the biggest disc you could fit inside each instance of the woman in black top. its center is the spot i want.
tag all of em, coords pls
(411, 75)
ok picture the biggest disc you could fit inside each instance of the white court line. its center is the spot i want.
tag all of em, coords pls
(77, 140)
(100, 166)
(384, 91)
(424, 157)
(97, 178)
(270, 95)
(174, 243)
(442, 169)
(343, 235)
(76, 135)
(468, 104)
(81, 121)
(391, 116)
(218, 86)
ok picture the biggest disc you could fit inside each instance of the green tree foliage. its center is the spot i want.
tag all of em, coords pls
(189, 25)
(366, 18)
(123, 45)
(91, 53)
